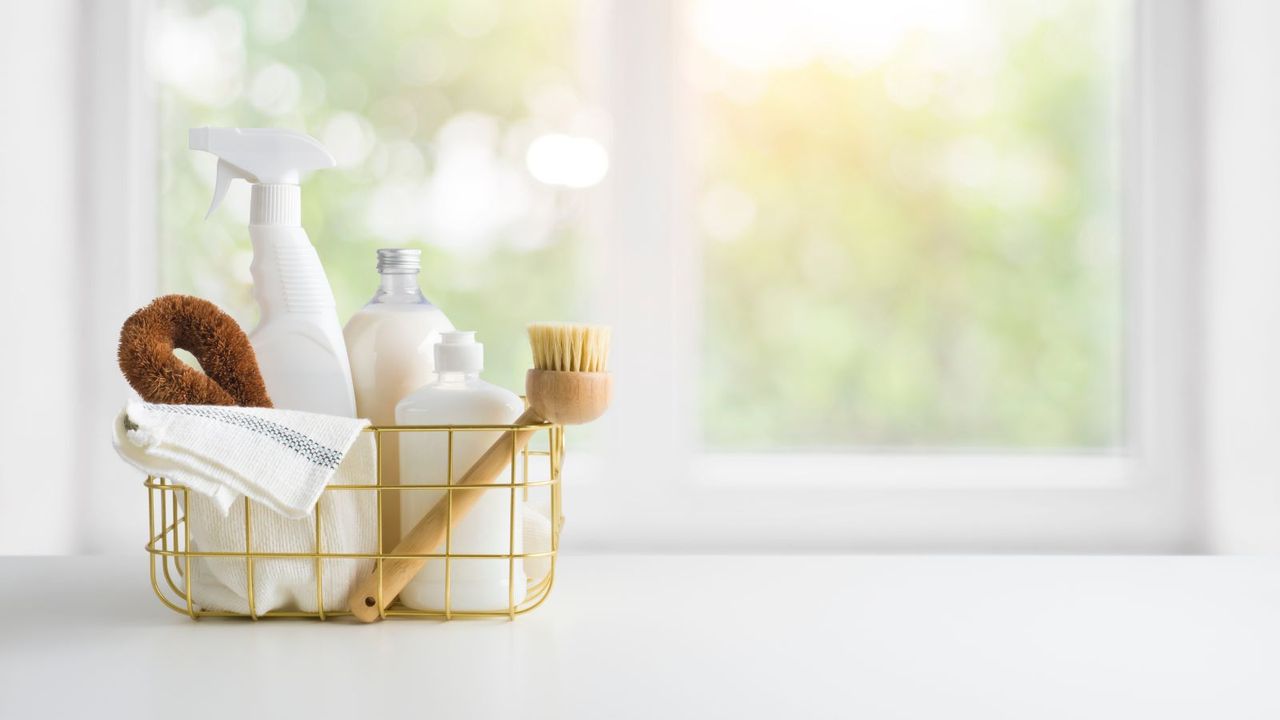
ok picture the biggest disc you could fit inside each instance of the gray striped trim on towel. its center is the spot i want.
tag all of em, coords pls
(308, 448)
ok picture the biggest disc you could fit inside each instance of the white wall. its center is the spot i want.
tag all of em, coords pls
(38, 270)
(1242, 230)
(117, 255)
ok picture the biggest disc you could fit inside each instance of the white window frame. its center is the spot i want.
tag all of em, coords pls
(117, 166)
(651, 489)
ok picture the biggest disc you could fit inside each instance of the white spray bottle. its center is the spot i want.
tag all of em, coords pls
(298, 340)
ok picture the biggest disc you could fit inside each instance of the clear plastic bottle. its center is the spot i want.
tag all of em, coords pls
(389, 345)
(460, 397)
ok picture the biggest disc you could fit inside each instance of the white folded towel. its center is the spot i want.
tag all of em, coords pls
(279, 459)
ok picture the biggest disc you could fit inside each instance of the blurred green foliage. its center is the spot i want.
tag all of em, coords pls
(938, 265)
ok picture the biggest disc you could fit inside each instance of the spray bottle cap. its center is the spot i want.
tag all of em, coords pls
(262, 156)
(458, 352)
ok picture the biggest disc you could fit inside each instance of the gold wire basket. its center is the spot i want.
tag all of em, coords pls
(172, 552)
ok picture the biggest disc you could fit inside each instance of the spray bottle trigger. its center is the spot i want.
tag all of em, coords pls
(226, 173)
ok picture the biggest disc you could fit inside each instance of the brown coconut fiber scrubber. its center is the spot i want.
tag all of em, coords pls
(149, 337)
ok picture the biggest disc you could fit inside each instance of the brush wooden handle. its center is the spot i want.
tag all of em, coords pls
(430, 531)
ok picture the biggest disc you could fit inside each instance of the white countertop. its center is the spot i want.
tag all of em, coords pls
(681, 636)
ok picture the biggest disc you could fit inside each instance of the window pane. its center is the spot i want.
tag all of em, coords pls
(910, 222)
(430, 110)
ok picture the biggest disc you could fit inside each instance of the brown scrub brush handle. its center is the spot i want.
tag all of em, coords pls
(430, 531)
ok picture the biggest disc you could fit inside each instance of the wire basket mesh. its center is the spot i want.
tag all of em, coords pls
(181, 567)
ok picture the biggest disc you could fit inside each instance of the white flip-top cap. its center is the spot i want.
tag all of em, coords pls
(458, 352)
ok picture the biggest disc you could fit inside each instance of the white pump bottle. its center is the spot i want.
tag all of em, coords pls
(298, 340)
(460, 397)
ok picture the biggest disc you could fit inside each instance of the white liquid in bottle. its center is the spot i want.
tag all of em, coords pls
(389, 344)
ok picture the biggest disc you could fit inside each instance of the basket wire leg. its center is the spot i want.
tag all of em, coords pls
(524, 499)
(151, 533)
(557, 464)
(164, 524)
(377, 446)
(173, 500)
(319, 564)
(248, 557)
(511, 536)
(151, 512)
(164, 537)
(557, 453)
(157, 554)
(448, 534)
(171, 559)
(524, 459)
(543, 587)
(186, 546)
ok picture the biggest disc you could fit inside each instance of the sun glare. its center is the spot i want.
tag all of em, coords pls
(763, 35)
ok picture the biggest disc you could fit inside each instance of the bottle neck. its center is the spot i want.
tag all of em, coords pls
(400, 284)
(458, 378)
(279, 205)
(399, 288)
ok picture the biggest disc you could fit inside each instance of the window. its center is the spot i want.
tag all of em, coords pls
(880, 274)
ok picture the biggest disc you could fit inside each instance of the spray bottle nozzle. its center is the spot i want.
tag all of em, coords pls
(265, 156)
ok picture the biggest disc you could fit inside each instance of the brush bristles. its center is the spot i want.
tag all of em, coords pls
(565, 347)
